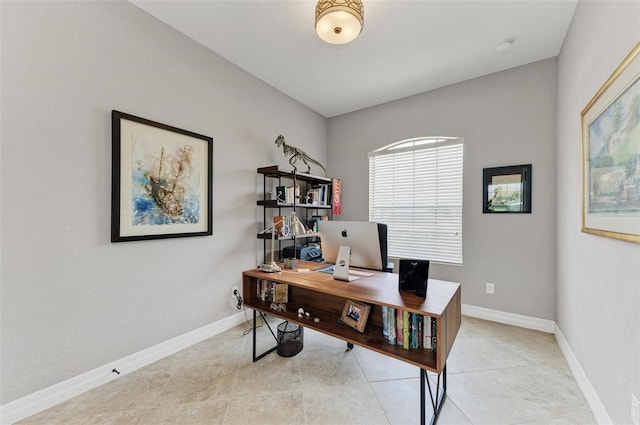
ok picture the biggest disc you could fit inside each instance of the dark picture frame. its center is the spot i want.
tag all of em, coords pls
(611, 155)
(355, 315)
(161, 184)
(413, 276)
(507, 190)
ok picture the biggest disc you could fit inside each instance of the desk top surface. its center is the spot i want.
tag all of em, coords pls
(381, 288)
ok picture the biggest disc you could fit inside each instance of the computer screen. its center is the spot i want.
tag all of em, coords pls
(362, 236)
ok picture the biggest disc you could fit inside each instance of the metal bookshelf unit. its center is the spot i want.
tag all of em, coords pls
(274, 177)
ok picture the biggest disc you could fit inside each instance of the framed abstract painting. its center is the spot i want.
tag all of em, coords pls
(611, 155)
(161, 180)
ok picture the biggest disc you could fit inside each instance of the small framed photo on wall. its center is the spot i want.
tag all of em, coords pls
(507, 190)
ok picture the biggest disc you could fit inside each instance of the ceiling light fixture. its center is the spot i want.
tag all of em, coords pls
(339, 21)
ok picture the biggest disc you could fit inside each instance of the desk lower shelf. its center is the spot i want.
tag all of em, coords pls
(372, 338)
(327, 304)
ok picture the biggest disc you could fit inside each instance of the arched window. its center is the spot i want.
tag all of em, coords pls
(415, 187)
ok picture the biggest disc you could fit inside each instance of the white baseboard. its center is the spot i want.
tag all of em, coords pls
(58, 393)
(599, 412)
(527, 322)
(550, 326)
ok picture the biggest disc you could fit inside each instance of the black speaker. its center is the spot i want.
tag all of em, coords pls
(413, 276)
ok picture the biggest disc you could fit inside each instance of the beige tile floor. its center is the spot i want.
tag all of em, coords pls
(497, 374)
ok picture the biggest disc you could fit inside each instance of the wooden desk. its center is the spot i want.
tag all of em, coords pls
(324, 297)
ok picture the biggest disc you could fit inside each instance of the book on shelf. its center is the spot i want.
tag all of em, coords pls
(391, 326)
(406, 335)
(409, 330)
(292, 194)
(320, 194)
(429, 333)
(288, 194)
(385, 325)
(420, 320)
(434, 340)
(399, 328)
(281, 293)
(414, 330)
(426, 332)
(267, 290)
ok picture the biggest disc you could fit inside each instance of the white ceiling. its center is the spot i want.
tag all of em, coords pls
(405, 48)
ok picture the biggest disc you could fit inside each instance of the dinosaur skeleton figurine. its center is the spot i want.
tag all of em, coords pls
(297, 154)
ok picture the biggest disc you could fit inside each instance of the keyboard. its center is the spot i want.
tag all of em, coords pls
(359, 273)
(329, 269)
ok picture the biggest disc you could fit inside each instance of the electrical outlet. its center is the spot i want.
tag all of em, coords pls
(635, 410)
(490, 288)
(236, 297)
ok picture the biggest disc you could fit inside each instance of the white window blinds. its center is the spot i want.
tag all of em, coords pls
(415, 187)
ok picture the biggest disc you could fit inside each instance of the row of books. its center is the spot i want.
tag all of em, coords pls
(268, 290)
(407, 329)
(288, 194)
(319, 194)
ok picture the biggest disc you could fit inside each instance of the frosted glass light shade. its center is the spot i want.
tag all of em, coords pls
(339, 21)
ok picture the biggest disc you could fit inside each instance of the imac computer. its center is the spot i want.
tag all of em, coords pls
(367, 239)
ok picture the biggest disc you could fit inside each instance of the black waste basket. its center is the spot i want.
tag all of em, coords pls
(290, 339)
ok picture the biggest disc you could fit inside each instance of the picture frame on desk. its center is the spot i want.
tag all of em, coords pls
(413, 276)
(355, 315)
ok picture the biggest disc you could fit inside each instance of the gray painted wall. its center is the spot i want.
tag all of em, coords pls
(507, 118)
(71, 300)
(598, 278)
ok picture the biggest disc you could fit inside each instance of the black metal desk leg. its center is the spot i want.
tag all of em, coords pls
(264, 320)
(436, 398)
(254, 335)
(423, 395)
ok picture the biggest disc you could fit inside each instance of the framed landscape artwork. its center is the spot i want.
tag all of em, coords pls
(507, 190)
(161, 180)
(611, 155)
